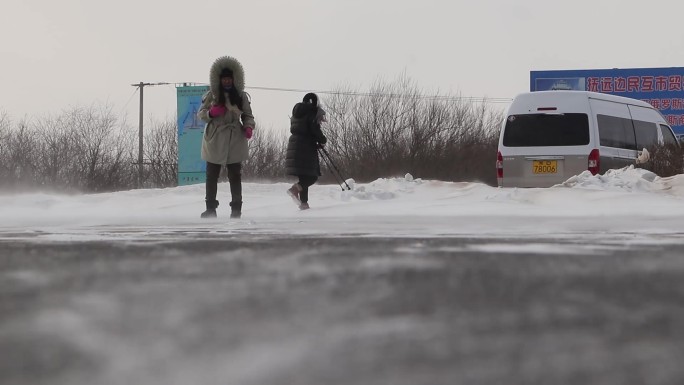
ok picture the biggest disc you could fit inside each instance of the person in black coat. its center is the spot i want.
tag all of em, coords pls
(302, 147)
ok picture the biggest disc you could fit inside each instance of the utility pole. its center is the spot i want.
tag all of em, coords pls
(141, 86)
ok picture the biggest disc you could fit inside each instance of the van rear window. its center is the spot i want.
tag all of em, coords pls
(537, 130)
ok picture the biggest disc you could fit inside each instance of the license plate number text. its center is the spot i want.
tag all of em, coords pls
(544, 166)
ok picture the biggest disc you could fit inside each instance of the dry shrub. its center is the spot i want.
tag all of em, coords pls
(665, 160)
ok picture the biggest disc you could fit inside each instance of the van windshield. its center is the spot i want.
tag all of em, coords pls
(536, 130)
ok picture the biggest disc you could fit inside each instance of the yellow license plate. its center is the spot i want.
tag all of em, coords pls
(545, 166)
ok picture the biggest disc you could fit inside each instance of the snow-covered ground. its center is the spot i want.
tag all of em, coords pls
(626, 205)
(561, 285)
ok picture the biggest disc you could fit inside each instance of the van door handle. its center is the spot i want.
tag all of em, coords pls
(550, 157)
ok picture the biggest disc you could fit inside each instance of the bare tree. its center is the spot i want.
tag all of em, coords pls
(266, 155)
(394, 129)
(81, 149)
(101, 147)
(22, 160)
(58, 153)
(161, 153)
(5, 135)
(388, 131)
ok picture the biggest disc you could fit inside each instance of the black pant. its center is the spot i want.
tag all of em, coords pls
(234, 179)
(305, 181)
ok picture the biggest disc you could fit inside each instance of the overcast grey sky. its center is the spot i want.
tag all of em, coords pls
(57, 54)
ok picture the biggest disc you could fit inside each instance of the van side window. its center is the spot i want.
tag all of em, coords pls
(668, 138)
(541, 130)
(646, 134)
(616, 132)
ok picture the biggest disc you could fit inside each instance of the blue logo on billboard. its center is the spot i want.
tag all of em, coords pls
(553, 84)
(190, 121)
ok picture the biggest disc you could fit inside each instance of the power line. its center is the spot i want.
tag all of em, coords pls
(367, 94)
(129, 100)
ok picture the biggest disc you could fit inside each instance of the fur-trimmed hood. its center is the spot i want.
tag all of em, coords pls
(215, 74)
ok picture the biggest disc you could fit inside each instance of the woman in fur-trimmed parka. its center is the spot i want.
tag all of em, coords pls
(227, 112)
(301, 159)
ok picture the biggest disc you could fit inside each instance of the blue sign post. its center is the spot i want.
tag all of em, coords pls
(663, 88)
(191, 168)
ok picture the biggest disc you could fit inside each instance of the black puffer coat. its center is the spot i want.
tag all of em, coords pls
(302, 147)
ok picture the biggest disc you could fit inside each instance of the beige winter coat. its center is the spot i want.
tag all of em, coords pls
(224, 139)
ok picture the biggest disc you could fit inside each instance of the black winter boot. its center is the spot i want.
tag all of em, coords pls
(211, 210)
(235, 209)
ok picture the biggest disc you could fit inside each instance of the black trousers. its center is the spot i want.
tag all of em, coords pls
(305, 181)
(234, 179)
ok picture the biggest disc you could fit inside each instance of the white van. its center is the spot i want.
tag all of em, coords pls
(549, 136)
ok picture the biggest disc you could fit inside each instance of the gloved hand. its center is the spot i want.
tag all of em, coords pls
(248, 132)
(320, 145)
(215, 111)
